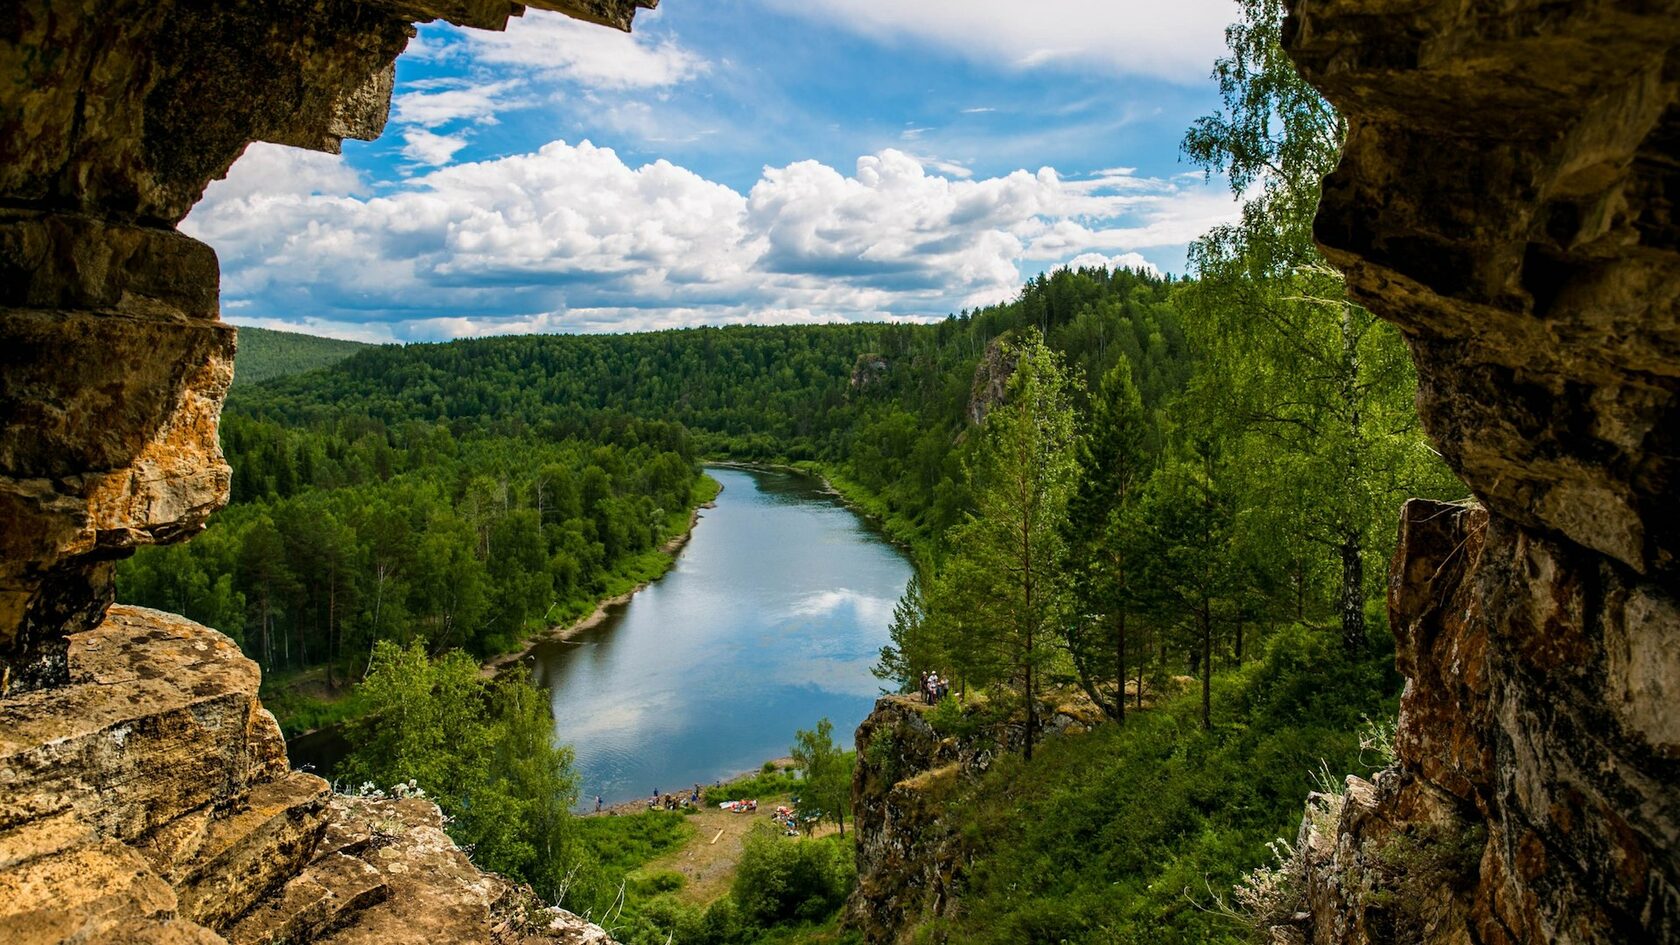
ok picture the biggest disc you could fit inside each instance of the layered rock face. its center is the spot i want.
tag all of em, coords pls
(905, 861)
(149, 800)
(113, 363)
(1507, 198)
(145, 794)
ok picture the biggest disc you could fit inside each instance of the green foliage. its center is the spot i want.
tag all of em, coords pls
(912, 646)
(1125, 835)
(265, 354)
(482, 749)
(772, 783)
(611, 854)
(1311, 392)
(828, 773)
(1103, 526)
(781, 394)
(1189, 564)
(963, 719)
(351, 532)
(781, 878)
(1005, 583)
(786, 890)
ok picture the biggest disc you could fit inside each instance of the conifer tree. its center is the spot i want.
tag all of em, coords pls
(1114, 465)
(1006, 572)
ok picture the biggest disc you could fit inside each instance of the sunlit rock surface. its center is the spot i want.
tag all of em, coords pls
(1507, 198)
(149, 799)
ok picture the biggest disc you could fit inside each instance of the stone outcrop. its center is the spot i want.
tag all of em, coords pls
(990, 387)
(905, 863)
(1506, 197)
(113, 362)
(909, 862)
(868, 370)
(145, 794)
(149, 799)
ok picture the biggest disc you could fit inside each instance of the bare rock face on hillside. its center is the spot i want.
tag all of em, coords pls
(1507, 198)
(145, 794)
(991, 379)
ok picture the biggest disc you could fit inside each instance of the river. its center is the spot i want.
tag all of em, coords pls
(768, 622)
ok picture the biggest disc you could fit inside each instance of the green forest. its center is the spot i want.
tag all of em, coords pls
(265, 354)
(1171, 497)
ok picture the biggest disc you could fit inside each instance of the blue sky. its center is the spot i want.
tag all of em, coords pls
(734, 161)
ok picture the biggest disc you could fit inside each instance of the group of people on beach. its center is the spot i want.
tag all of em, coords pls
(934, 687)
(675, 801)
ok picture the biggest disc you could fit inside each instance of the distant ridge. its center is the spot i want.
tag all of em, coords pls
(265, 354)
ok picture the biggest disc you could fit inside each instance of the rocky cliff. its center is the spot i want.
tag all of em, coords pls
(909, 862)
(145, 794)
(149, 799)
(1506, 197)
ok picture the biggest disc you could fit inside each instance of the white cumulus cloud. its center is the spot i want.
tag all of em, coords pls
(429, 148)
(1177, 41)
(571, 238)
(435, 102)
(557, 47)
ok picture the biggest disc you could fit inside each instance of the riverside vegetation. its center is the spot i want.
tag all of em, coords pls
(1113, 482)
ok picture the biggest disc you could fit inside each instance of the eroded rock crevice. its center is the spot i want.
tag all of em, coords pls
(1506, 197)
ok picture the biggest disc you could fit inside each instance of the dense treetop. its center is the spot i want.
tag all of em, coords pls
(265, 354)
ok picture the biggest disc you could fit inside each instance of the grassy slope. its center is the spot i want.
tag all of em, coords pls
(265, 354)
(1126, 834)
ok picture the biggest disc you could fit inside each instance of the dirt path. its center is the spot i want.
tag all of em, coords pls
(707, 861)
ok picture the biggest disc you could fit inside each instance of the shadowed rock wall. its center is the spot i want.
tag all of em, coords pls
(1507, 197)
(113, 362)
(145, 794)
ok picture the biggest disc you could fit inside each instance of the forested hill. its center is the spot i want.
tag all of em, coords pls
(883, 405)
(265, 354)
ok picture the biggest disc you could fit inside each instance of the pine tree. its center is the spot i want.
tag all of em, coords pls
(1006, 575)
(1114, 464)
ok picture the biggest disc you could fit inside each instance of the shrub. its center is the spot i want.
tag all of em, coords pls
(781, 879)
(1134, 833)
(771, 783)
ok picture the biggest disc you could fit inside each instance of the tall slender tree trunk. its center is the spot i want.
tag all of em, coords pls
(1300, 589)
(1205, 619)
(1028, 614)
(1352, 594)
(1032, 707)
(1352, 597)
(332, 615)
(267, 639)
(1239, 640)
(1120, 669)
(1143, 657)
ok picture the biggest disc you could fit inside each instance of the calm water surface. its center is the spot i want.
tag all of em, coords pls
(769, 621)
